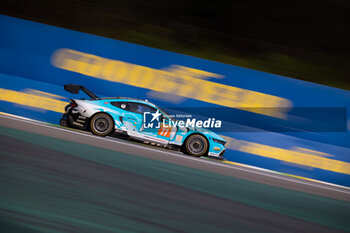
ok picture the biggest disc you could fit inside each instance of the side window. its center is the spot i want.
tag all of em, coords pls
(132, 107)
(122, 105)
(146, 108)
(140, 108)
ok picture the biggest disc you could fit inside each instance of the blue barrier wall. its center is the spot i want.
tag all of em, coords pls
(270, 121)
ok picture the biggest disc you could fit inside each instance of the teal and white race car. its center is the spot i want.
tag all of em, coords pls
(140, 120)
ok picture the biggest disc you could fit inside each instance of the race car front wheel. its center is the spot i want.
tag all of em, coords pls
(101, 124)
(196, 145)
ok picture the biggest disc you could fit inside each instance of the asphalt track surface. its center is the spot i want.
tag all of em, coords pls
(59, 180)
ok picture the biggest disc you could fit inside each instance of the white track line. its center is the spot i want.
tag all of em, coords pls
(254, 170)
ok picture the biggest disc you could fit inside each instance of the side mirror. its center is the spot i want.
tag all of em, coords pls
(72, 88)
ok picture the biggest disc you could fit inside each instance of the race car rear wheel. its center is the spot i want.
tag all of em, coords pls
(101, 124)
(196, 145)
(64, 122)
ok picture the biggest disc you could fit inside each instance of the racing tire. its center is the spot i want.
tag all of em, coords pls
(101, 124)
(196, 145)
(64, 123)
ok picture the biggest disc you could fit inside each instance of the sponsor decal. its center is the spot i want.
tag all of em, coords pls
(164, 131)
(178, 138)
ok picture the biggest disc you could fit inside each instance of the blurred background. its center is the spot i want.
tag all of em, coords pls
(308, 40)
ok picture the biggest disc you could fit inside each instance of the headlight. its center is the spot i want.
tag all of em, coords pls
(219, 141)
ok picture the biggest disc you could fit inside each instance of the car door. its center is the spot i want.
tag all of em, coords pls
(162, 131)
(129, 115)
(128, 120)
(133, 118)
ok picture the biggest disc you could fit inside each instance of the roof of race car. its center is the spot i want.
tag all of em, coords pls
(127, 98)
(119, 97)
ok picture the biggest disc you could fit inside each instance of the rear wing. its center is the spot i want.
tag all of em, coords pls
(74, 89)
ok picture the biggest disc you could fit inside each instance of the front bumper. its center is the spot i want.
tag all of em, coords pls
(218, 155)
